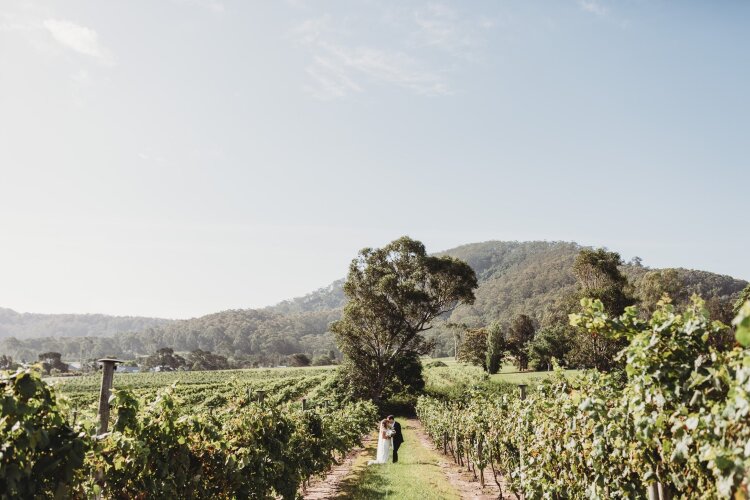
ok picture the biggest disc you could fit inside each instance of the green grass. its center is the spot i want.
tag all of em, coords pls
(459, 376)
(510, 374)
(416, 476)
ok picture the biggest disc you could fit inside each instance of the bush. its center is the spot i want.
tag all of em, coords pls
(436, 364)
(323, 361)
(299, 359)
(42, 455)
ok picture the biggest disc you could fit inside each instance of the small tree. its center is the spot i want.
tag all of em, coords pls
(324, 360)
(164, 358)
(6, 363)
(395, 293)
(206, 360)
(598, 277)
(552, 342)
(655, 284)
(520, 333)
(52, 361)
(473, 349)
(299, 359)
(495, 348)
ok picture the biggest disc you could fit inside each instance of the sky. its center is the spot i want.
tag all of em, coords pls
(174, 158)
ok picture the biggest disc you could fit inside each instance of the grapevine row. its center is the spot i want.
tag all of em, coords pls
(678, 417)
(242, 450)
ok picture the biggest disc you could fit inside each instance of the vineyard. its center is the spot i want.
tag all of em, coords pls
(677, 423)
(200, 391)
(186, 435)
(674, 422)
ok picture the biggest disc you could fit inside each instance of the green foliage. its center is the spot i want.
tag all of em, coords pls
(164, 358)
(394, 293)
(473, 349)
(435, 364)
(283, 384)
(550, 343)
(52, 361)
(6, 363)
(206, 360)
(742, 324)
(324, 360)
(299, 359)
(156, 449)
(598, 276)
(655, 284)
(495, 348)
(743, 297)
(42, 454)
(520, 334)
(679, 416)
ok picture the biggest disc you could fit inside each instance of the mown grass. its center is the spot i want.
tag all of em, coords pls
(510, 374)
(457, 377)
(416, 476)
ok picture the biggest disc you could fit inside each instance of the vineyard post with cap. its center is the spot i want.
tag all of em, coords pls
(108, 366)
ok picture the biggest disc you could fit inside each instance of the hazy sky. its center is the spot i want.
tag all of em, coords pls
(175, 158)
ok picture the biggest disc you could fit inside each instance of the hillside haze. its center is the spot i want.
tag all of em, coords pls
(26, 325)
(514, 278)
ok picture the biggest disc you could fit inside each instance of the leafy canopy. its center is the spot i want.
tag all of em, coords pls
(395, 293)
(473, 350)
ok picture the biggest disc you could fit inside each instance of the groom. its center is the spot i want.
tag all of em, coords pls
(398, 438)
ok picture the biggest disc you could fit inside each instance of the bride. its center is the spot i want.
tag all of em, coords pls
(384, 443)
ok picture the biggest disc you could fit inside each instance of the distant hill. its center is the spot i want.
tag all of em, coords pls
(514, 278)
(26, 325)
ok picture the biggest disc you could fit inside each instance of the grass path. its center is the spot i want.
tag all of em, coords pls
(417, 475)
(422, 473)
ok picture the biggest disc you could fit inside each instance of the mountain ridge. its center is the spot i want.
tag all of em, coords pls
(515, 278)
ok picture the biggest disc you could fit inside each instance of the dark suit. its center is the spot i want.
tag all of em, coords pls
(398, 438)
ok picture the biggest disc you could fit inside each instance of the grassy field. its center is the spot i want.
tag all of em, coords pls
(459, 375)
(416, 476)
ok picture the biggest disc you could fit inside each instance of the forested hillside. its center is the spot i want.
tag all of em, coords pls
(26, 325)
(514, 278)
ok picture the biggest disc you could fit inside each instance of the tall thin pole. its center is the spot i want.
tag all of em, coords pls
(108, 373)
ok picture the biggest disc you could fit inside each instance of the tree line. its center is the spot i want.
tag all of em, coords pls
(598, 275)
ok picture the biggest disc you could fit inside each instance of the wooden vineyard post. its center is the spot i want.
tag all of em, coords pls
(261, 396)
(522, 396)
(304, 404)
(657, 491)
(108, 372)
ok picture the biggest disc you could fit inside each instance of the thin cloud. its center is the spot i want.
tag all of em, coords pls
(79, 39)
(440, 26)
(593, 7)
(338, 70)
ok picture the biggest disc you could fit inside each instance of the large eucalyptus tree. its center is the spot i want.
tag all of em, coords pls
(395, 293)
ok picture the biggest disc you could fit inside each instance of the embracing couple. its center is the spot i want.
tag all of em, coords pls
(389, 436)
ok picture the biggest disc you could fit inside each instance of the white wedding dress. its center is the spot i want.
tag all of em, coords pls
(384, 447)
